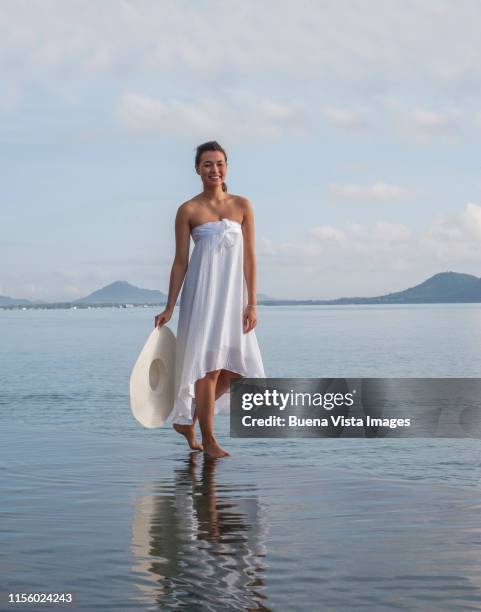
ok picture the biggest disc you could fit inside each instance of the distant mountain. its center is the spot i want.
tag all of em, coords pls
(9, 301)
(445, 287)
(122, 292)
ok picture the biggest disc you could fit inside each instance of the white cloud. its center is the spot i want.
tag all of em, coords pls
(477, 119)
(456, 237)
(192, 52)
(351, 119)
(327, 233)
(388, 39)
(140, 113)
(383, 246)
(237, 114)
(429, 120)
(378, 192)
(10, 97)
(422, 125)
(242, 113)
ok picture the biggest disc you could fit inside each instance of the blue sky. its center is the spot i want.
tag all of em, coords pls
(352, 127)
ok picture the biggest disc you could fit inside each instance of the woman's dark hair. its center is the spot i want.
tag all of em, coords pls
(212, 145)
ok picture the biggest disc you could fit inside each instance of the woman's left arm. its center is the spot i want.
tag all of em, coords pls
(250, 311)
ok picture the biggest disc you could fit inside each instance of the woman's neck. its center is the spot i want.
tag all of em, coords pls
(214, 194)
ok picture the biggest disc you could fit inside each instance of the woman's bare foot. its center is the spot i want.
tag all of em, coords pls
(212, 449)
(189, 432)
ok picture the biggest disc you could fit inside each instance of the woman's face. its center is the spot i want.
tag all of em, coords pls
(212, 168)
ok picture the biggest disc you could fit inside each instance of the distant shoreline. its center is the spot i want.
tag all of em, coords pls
(442, 288)
(341, 302)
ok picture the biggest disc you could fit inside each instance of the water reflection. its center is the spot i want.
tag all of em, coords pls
(198, 544)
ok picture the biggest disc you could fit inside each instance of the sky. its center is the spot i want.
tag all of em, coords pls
(352, 127)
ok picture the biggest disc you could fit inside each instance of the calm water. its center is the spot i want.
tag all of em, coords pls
(127, 519)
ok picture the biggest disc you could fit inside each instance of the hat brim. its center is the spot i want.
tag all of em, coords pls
(152, 379)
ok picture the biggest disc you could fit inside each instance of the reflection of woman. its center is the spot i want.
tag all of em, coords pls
(195, 547)
(216, 341)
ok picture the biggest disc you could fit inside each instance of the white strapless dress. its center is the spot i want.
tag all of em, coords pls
(210, 332)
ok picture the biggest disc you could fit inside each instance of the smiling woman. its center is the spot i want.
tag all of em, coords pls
(216, 341)
(211, 170)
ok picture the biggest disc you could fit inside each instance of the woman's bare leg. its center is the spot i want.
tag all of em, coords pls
(205, 394)
(223, 382)
(189, 432)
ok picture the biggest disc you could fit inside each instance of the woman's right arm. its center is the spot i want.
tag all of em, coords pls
(179, 267)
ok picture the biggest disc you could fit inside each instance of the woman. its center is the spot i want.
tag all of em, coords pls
(217, 316)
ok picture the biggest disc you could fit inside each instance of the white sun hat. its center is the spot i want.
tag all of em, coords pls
(152, 379)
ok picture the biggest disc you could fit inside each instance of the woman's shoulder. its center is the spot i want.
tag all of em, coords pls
(239, 199)
(241, 202)
(187, 204)
(245, 206)
(189, 207)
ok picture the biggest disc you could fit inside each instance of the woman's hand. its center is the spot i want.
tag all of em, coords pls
(163, 317)
(250, 318)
